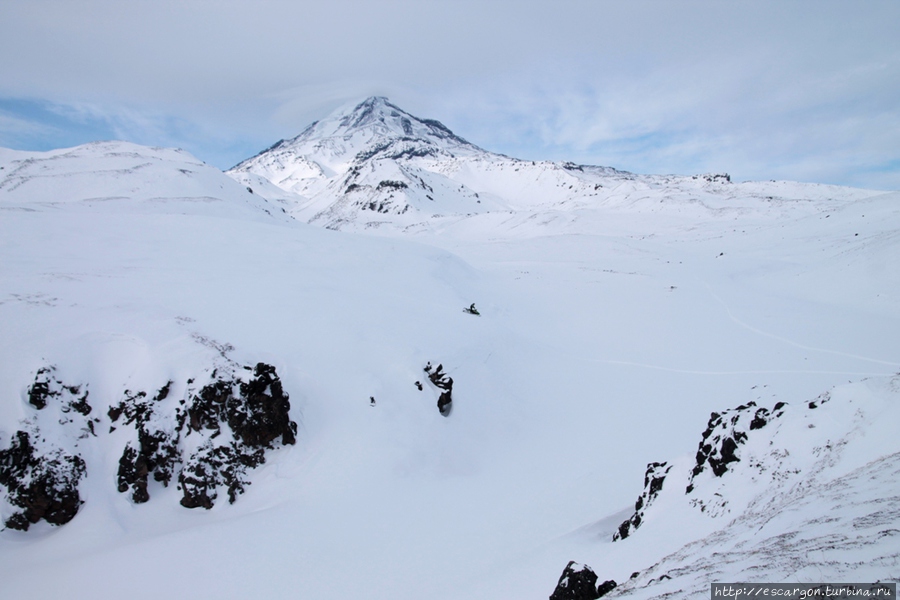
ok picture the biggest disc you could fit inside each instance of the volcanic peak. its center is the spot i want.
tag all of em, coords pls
(376, 119)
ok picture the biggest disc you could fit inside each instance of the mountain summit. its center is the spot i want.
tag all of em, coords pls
(383, 121)
(371, 158)
(375, 165)
(372, 126)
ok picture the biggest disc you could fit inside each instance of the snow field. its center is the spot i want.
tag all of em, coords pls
(606, 338)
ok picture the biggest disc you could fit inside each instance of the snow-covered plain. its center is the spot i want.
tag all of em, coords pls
(616, 315)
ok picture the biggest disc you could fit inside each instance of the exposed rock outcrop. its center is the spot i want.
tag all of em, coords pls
(579, 582)
(238, 415)
(47, 388)
(443, 382)
(41, 469)
(156, 450)
(233, 420)
(654, 478)
(725, 433)
(42, 482)
(252, 414)
(719, 447)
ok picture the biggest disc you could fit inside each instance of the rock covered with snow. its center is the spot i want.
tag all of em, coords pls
(579, 582)
(235, 417)
(723, 435)
(41, 481)
(653, 484)
(444, 383)
(778, 481)
(41, 468)
(246, 416)
(717, 452)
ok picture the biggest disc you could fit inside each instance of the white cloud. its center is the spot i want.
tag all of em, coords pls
(13, 127)
(769, 89)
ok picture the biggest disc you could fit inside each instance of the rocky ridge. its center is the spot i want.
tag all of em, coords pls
(207, 437)
(761, 468)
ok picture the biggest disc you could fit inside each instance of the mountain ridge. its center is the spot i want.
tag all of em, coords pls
(376, 166)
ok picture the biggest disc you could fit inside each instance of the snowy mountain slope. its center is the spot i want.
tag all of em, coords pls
(375, 165)
(840, 530)
(809, 496)
(608, 334)
(168, 181)
(806, 493)
(364, 159)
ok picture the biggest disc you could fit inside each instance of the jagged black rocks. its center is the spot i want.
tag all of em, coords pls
(606, 587)
(233, 419)
(718, 448)
(654, 478)
(238, 418)
(156, 450)
(724, 433)
(43, 482)
(41, 472)
(47, 387)
(255, 412)
(443, 382)
(579, 582)
(212, 466)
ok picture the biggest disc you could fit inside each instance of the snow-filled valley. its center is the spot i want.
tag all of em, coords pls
(617, 313)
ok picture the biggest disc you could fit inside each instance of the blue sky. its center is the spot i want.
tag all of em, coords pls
(808, 91)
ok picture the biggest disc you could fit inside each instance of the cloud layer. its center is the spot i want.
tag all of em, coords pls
(762, 90)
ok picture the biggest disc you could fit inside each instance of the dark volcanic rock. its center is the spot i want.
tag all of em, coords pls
(725, 433)
(47, 388)
(719, 447)
(156, 450)
(255, 411)
(654, 478)
(605, 587)
(238, 417)
(262, 415)
(579, 582)
(42, 483)
(40, 390)
(40, 477)
(760, 419)
(211, 466)
(443, 382)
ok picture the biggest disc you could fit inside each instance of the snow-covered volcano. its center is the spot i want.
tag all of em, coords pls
(374, 165)
(202, 396)
(373, 158)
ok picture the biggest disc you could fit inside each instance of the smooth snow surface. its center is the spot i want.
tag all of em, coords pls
(611, 327)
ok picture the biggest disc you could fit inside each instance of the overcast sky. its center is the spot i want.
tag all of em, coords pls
(806, 91)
